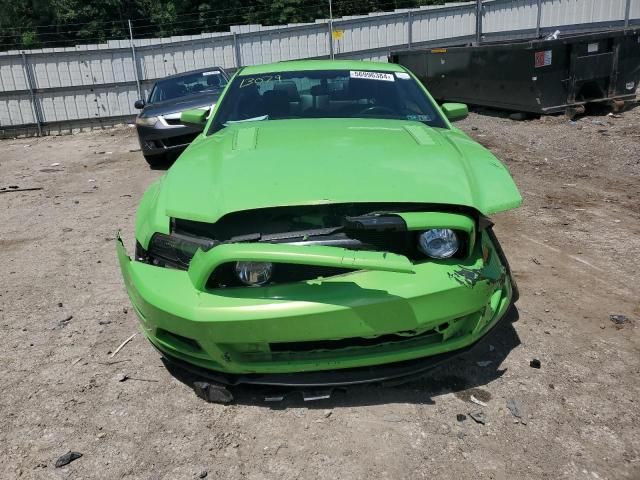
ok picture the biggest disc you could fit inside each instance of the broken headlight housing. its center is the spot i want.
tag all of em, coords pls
(176, 250)
(439, 243)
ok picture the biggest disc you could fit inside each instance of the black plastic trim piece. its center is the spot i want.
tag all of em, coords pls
(503, 258)
(378, 223)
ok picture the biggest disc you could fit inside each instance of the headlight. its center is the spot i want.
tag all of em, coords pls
(146, 121)
(176, 250)
(438, 243)
(254, 274)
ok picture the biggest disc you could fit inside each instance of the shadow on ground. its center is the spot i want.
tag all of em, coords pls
(595, 109)
(462, 375)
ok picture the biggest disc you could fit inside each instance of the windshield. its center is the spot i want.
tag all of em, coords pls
(325, 94)
(189, 84)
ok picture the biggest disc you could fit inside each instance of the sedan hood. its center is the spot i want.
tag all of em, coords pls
(300, 162)
(180, 104)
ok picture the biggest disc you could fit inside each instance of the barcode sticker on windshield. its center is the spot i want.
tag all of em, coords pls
(213, 72)
(386, 77)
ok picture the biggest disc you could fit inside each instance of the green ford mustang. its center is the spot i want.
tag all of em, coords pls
(329, 225)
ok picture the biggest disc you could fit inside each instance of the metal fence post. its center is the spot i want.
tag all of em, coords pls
(330, 25)
(478, 22)
(331, 30)
(135, 61)
(627, 12)
(539, 21)
(31, 84)
(236, 50)
(409, 30)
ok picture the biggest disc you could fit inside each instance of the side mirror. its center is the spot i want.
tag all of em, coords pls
(139, 104)
(195, 117)
(455, 111)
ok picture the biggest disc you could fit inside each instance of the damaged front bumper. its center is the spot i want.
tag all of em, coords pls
(390, 316)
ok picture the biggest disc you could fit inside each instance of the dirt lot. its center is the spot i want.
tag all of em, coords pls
(575, 250)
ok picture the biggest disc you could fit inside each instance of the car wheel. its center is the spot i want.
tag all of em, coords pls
(156, 161)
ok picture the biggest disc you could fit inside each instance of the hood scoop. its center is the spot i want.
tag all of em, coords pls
(420, 134)
(245, 139)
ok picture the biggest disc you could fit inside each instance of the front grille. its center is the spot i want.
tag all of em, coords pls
(179, 140)
(354, 342)
(346, 226)
(337, 349)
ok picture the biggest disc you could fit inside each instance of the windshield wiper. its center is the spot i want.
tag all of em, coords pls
(253, 119)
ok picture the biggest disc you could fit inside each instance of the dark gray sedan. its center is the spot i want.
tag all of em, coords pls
(160, 131)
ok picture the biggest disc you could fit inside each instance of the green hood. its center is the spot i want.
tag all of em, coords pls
(296, 162)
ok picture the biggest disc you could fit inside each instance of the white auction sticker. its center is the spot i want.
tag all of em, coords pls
(213, 72)
(403, 75)
(386, 77)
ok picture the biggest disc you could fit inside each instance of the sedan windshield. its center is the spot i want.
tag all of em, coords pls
(189, 84)
(325, 94)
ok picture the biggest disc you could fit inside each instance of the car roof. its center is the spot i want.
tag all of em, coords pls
(301, 65)
(208, 69)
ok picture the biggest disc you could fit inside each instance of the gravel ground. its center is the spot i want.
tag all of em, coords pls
(575, 250)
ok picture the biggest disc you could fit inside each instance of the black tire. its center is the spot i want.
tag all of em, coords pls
(156, 161)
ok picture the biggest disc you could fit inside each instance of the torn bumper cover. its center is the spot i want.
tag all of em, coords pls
(388, 317)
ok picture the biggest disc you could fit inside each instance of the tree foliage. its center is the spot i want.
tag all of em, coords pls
(51, 23)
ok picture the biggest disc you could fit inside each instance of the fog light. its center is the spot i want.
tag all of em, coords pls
(254, 274)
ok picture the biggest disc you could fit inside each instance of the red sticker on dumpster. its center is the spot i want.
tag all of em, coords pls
(543, 59)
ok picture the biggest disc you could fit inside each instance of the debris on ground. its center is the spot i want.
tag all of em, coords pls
(66, 320)
(212, 393)
(17, 189)
(67, 458)
(122, 345)
(535, 363)
(514, 407)
(203, 474)
(478, 417)
(461, 417)
(327, 413)
(619, 319)
(122, 377)
(477, 402)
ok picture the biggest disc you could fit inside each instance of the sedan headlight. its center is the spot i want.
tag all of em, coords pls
(438, 243)
(176, 250)
(254, 274)
(146, 121)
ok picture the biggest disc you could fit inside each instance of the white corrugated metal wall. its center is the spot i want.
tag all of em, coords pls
(98, 82)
